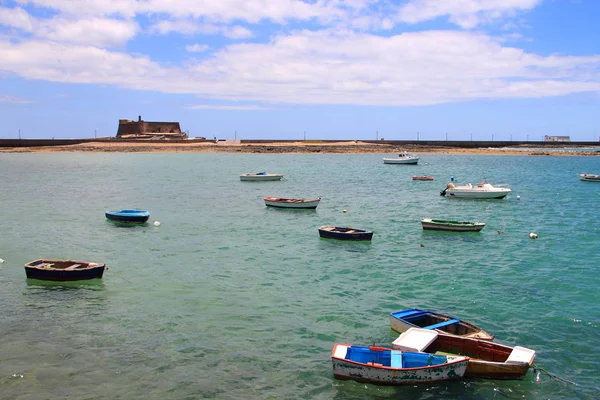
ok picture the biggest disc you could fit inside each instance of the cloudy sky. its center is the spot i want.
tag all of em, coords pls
(289, 69)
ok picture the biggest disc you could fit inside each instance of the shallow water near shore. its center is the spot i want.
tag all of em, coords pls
(230, 299)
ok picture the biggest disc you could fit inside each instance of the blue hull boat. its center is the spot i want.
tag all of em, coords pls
(336, 232)
(139, 216)
(63, 270)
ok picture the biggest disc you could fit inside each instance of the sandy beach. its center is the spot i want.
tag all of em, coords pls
(345, 147)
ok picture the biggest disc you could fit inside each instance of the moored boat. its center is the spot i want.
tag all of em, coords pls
(403, 320)
(422, 178)
(392, 367)
(291, 203)
(486, 359)
(260, 176)
(483, 190)
(454, 226)
(403, 158)
(341, 233)
(130, 215)
(63, 270)
(589, 177)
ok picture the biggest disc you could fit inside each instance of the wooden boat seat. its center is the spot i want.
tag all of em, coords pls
(521, 355)
(442, 324)
(72, 267)
(396, 359)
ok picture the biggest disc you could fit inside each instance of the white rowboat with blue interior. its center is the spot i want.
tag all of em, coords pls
(393, 367)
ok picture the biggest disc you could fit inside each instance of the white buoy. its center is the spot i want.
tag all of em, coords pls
(518, 197)
(156, 223)
(1, 261)
(345, 211)
(533, 235)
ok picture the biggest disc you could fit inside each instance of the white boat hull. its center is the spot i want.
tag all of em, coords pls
(410, 160)
(266, 177)
(478, 194)
(292, 203)
(393, 376)
(589, 177)
(432, 226)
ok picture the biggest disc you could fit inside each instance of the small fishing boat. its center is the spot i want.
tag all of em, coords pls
(422, 178)
(403, 320)
(132, 215)
(589, 177)
(336, 232)
(291, 203)
(454, 226)
(63, 270)
(403, 158)
(392, 367)
(483, 190)
(260, 176)
(486, 359)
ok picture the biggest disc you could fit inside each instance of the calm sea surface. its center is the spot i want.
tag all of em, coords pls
(228, 299)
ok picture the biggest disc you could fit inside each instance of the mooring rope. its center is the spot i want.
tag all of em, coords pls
(535, 366)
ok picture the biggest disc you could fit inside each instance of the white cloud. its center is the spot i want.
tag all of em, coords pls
(464, 13)
(16, 18)
(196, 48)
(226, 108)
(215, 10)
(237, 32)
(96, 31)
(14, 100)
(324, 67)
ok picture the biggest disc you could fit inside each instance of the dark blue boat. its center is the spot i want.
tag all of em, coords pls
(63, 270)
(336, 232)
(139, 216)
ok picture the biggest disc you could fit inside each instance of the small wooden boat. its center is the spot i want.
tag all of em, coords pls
(404, 158)
(133, 215)
(291, 203)
(336, 232)
(392, 367)
(422, 178)
(63, 270)
(403, 320)
(261, 176)
(589, 177)
(454, 226)
(486, 359)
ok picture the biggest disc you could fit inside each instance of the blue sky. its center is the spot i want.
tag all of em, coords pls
(289, 69)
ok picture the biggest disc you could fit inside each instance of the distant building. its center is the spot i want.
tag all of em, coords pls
(557, 138)
(139, 129)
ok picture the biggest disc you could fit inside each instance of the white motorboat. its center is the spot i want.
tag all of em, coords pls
(483, 190)
(589, 177)
(261, 176)
(404, 158)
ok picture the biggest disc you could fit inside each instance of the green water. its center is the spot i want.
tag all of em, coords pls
(229, 299)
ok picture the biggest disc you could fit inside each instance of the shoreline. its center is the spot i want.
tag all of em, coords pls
(352, 147)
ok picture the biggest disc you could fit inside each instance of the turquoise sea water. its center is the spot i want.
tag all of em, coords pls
(228, 299)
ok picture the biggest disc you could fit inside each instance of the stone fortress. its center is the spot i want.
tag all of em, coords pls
(139, 129)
